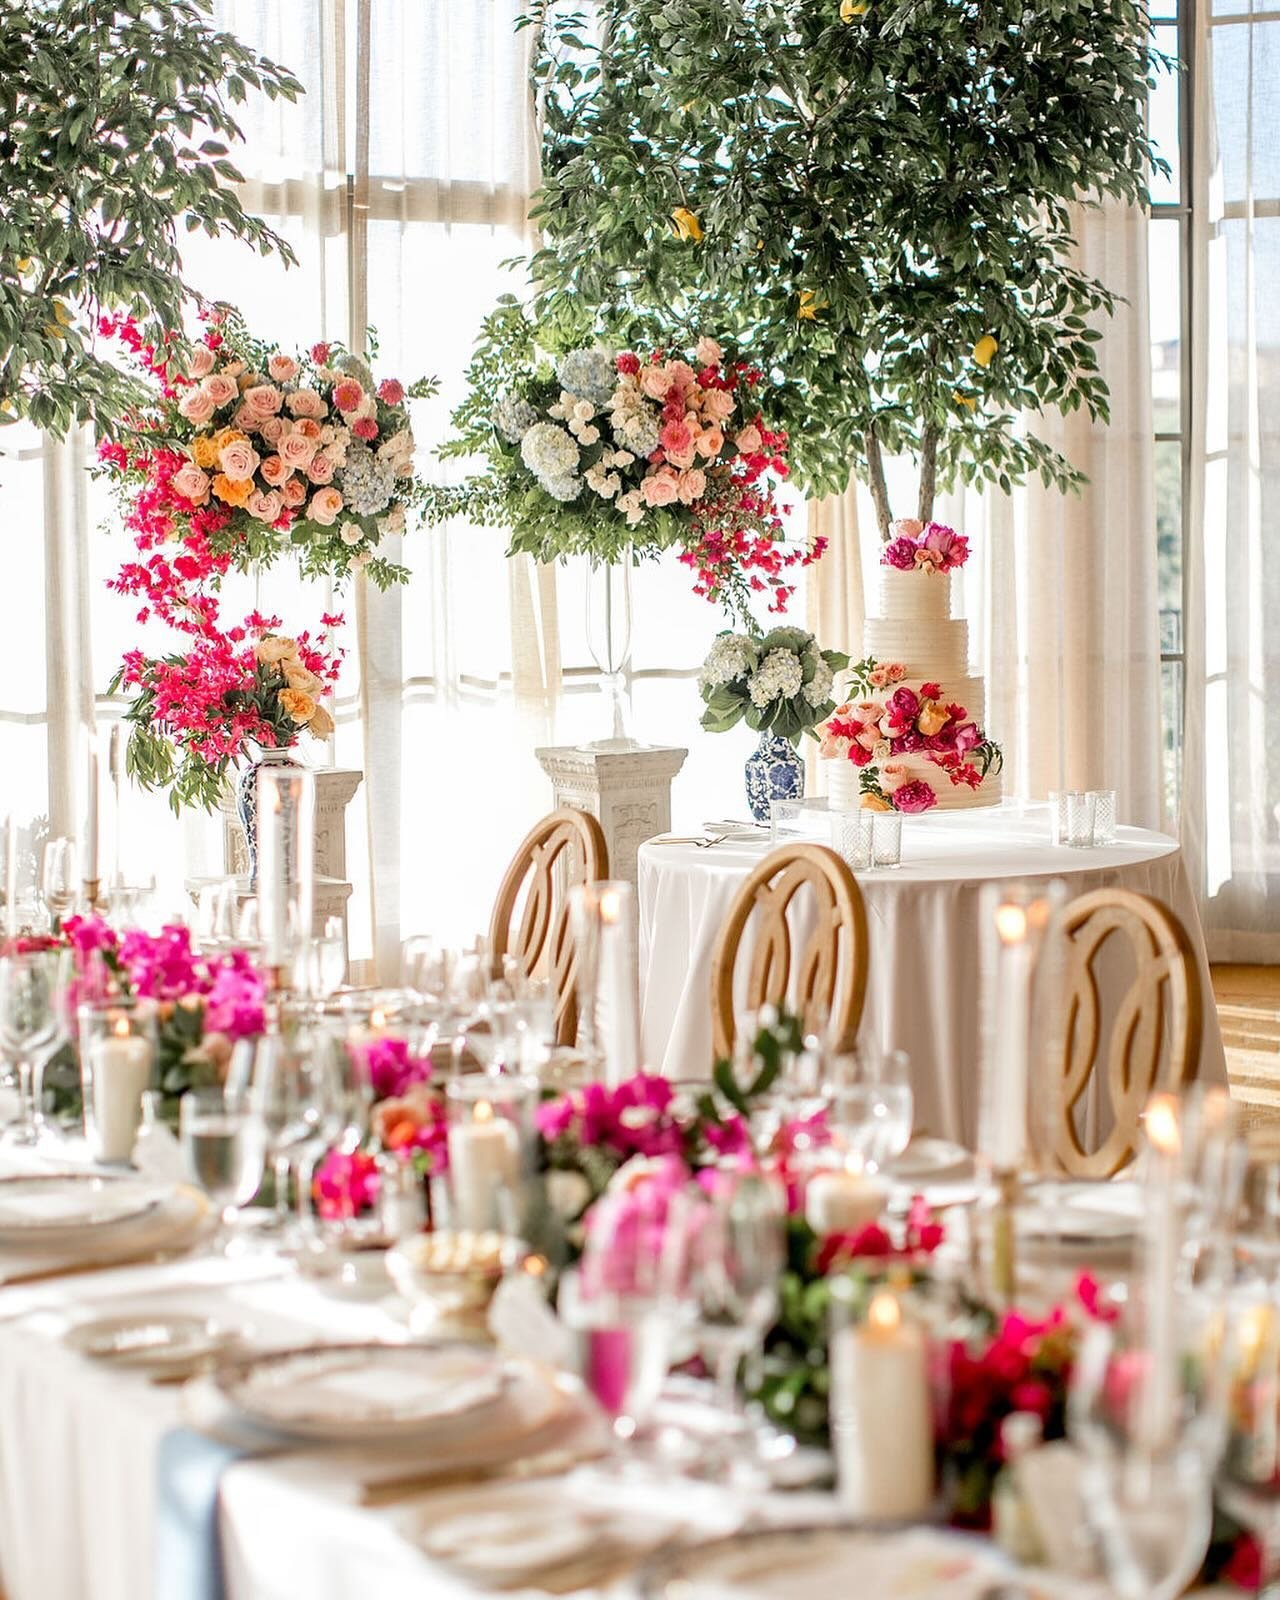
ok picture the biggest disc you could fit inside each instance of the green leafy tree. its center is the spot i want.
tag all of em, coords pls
(872, 195)
(115, 133)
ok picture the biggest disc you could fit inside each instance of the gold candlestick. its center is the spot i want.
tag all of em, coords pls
(1004, 1236)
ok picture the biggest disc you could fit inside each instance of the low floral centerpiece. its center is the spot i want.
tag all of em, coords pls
(609, 453)
(780, 684)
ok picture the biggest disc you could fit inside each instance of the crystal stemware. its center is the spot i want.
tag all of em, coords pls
(870, 1105)
(30, 1030)
(224, 1142)
(58, 884)
(291, 1087)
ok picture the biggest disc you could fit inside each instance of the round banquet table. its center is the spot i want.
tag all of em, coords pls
(923, 990)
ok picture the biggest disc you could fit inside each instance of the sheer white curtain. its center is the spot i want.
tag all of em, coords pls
(1231, 810)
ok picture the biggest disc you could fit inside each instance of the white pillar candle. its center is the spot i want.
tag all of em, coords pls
(115, 777)
(484, 1157)
(91, 810)
(10, 875)
(1011, 1039)
(619, 1002)
(842, 1201)
(883, 1426)
(1162, 1248)
(120, 1072)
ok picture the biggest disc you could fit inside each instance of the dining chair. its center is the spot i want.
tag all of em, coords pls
(531, 913)
(1154, 1036)
(827, 979)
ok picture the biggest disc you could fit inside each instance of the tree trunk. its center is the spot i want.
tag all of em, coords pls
(928, 471)
(875, 482)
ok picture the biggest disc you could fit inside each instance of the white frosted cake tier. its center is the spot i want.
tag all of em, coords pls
(937, 651)
(920, 595)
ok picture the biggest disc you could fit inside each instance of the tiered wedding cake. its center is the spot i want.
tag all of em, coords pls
(911, 733)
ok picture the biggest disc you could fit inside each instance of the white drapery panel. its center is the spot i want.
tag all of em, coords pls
(1060, 591)
(1231, 810)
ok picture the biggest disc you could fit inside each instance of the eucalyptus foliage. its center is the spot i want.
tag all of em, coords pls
(880, 196)
(116, 124)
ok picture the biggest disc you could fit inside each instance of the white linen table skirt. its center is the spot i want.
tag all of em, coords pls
(923, 992)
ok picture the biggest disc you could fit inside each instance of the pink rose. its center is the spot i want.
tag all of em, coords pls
(708, 352)
(320, 468)
(717, 405)
(968, 738)
(347, 394)
(660, 488)
(294, 491)
(202, 360)
(244, 419)
(365, 428)
(748, 440)
(296, 450)
(272, 429)
(906, 528)
(391, 391)
(654, 381)
(682, 375)
(219, 388)
(239, 460)
(265, 507)
(274, 471)
(191, 484)
(197, 406)
(282, 368)
(263, 399)
(692, 486)
(306, 403)
(710, 443)
(325, 506)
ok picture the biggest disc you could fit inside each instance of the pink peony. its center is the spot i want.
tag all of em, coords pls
(915, 797)
(220, 388)
(346, 1184)
(660, 488)
(201, 362)
(391, 391)
(239, 460)
(325, 506)
(389, 1067)
(274, 471)
(627, 363)
(903, 704)
(677, 439)
(749, 440)
(282, 368)
(900, 553)
(197, 406)
(968, 737)
(191, 484)
(347, 394)
(307, 403)
(320, 468)
(263, 400)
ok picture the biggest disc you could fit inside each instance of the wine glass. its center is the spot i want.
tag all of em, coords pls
(291, 1088)
(216, 913)
(30, 1030)
(321, 962)
(224, 1141)
(58, 884)
(871, 1105)
(1146, 1483)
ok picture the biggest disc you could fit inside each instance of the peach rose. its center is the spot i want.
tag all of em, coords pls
(233, 493)
(282, 368)
(298, 677)
(717, 405)
(654, 381)
(220, 388)
(274, 471)
(308, 427)
(272, 429)
(294, 491)
(320, 468)
(660, 488)
(692, 486)
(244, 419)
(681, 374)
(306, 403)
(202, 360)
(239, 460)
(892, 776)
(191, 484)
(233, 369)
(710, 443)
(275, 648)
(197, 406)
(296, 450)
(321, 723)
(906, 528)
(264, 399)
(299, 706)
(748, 440)
(873, 802)
(265, 507)
(325, 506)
(351, 533)
(708, 351)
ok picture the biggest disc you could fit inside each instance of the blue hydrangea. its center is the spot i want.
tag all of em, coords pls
(549, 451)
(590, 374)
(367, 485)
(513, 417)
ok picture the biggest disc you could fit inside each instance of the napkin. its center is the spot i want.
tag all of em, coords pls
(188, 1550)
(343, 1389)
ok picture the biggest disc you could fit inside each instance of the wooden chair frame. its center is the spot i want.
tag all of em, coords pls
(1139, 1056)
(842, 920)
(566, 848)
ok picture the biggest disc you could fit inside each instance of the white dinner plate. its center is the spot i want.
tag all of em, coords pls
(364, 1391)
(927, 1160)
(55, 1207)
(150, 1340)
(1082, 1213)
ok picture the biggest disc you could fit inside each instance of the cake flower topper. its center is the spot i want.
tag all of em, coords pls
(927, 546)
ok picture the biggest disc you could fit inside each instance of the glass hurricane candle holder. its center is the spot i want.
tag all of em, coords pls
(851, 833)
(1080, 805)
(490, 1139)
(1104, 816)
(886, 838)
(117, 1061)
(603, 919)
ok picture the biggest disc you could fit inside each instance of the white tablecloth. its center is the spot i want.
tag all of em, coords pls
(923, 994)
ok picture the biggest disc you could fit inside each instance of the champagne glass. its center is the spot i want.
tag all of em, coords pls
(58, 884)
(30, 1029)
(225, 1145)
(871, 1105)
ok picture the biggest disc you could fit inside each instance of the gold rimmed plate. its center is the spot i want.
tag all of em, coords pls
(47, 1208)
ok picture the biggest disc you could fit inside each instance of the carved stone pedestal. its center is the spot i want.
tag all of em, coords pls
(627, 790)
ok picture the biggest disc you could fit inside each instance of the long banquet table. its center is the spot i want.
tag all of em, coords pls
(923, 992)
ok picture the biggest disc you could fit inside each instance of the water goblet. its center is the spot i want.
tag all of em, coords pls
(58, 883)
(30, 1031)
(224, 1142)
(871, 1105)
(292, 1089)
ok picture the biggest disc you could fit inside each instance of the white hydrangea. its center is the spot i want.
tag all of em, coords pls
(566, 487)
(549, 453)
(589, 373)
(637, 432)
(818, 689)
(778, 677)
(728, 658)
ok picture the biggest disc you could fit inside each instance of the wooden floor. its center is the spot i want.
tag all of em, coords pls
(1249, 1014)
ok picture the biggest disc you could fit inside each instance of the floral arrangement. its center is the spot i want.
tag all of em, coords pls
(609, 453)
(779, 683)
(924, 546)
(891, 721)
(249, 453)
(196, 713)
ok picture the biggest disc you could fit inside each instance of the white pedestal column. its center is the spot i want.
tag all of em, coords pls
(627, 791)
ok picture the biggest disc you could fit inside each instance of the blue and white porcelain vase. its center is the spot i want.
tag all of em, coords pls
(247, 799)
(775, 771)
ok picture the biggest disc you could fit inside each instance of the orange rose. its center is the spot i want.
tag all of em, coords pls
(235, 494)
(226, 436)
(204, 450)
(932, 718)
(321, 723)
(300, 706)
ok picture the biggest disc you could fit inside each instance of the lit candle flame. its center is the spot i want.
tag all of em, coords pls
(120, 1027)
(483, 1112)
(884, 1313)
(1011, 924)
(610, 906)
(855, 1163)
(1164, 1132)
(377, 1019)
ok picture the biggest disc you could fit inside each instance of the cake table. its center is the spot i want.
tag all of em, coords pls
(923, 993)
